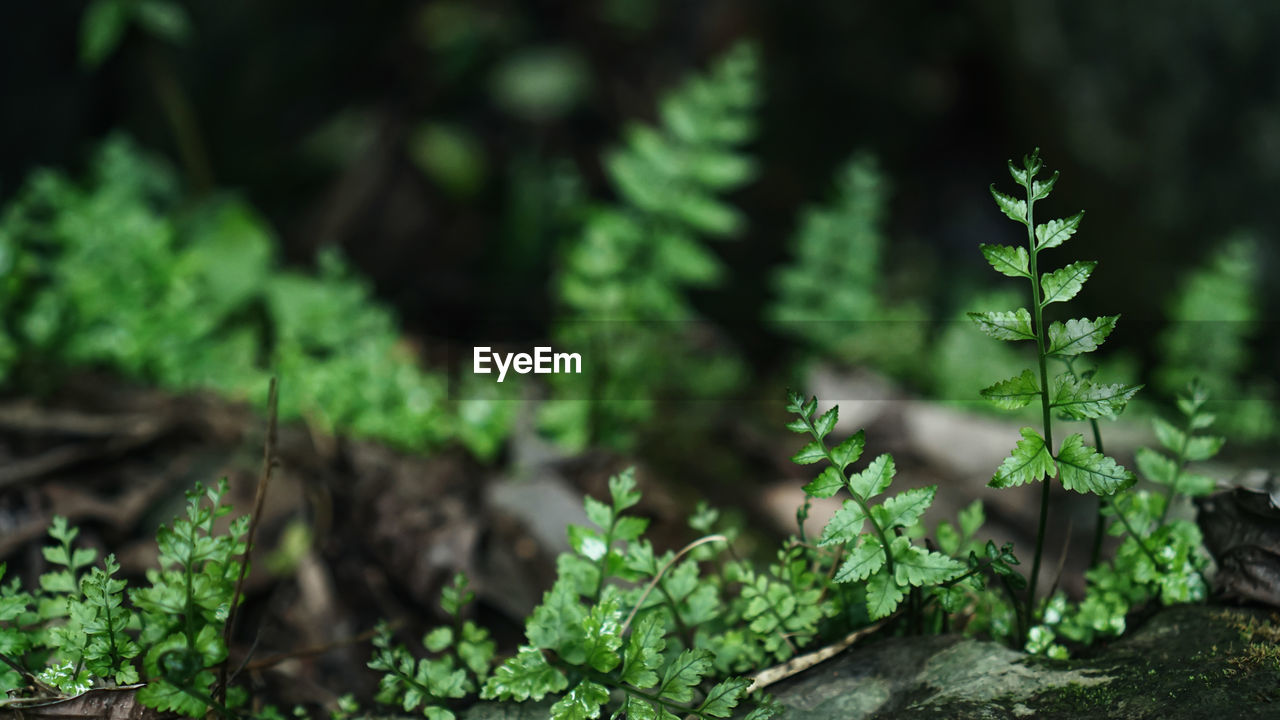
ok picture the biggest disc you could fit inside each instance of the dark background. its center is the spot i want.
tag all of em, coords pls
(1164, 119)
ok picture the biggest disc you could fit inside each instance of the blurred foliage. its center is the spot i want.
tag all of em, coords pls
(832, 296)
(106, 21)
(118, 274)
(1214, 315)
(624, 279)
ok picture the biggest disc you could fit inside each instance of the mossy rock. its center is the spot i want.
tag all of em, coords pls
(1185, 662)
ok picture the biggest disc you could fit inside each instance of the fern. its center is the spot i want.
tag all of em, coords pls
(112, 274)
(1159, 558)
(1077, 466)
(623, 279)
(462, 657)
(831, 296)
(884, 558)
(185, 607)
(588, 640)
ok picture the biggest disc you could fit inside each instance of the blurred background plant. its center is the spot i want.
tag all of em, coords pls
(505, 173)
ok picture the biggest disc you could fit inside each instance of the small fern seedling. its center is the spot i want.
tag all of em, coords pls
(460, 659)
(594, 645)
(1077, 466)
(884, 558)
(185, 607)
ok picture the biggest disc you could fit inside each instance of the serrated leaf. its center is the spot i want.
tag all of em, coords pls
(527, 676)
(864, 560)
(644, 652)
(917, 567)
(848, 452)
(1156, 467)
(905, 508)
(1085, 470)
(1063, 284)
(810, 453)
(633, 708)
(1079, 335)
(827, 421)
(724, 697)
(1015, 392)
(1008, 325)
(883, 595)
(1082, 399)
(1041, 190)
(874, 478)
(1015, 209)
(1030, 461)
(683, 674)
(828, 483)
(581, 703)
(798, 426)
(845, 525)
(1055, 232)
(1007, 259)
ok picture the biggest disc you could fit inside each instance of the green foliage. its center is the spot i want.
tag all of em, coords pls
(186, 605)
(1075, 396)
(83, 628)
(623, 278)
(105, 22)
(649, 643)
(831, 296)
(462, 656)
(1160, 558)
(116, 274)
(1214, 314)
(884, 557)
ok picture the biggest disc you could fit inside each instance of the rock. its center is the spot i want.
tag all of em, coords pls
(1186, 662)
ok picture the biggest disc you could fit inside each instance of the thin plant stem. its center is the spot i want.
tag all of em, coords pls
(1044, 398)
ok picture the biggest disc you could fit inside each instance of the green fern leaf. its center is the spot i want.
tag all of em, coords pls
(828, 483)
(903, 509)
(1030, 461)
(683, 675)
(1062, 284)
(866, 558)
(1081, 399)
(1055, 232)
(724, 697)
(845, 525)
(581, 703)
(1085, 470)
(1007, 260)
(848, 452)
(883, 595)
(874, 478)
(1015, 392)
(1014, 325)
(1079, 335)
(1015, 209)
(527, 676)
